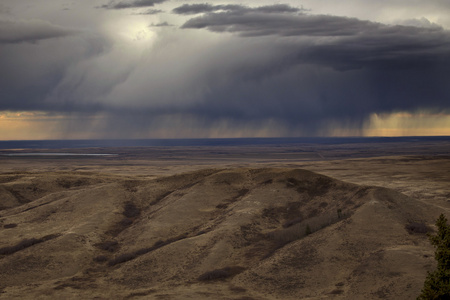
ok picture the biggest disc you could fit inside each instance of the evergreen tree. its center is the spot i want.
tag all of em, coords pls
(437, 283)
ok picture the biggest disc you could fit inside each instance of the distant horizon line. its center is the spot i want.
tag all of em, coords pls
(15, 145)
(234, 138)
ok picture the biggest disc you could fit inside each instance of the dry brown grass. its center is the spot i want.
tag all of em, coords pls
(299, 228)
(245, 214)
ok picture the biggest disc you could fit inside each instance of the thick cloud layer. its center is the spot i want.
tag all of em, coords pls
(340, 42)
(402, 65)
(217, 66)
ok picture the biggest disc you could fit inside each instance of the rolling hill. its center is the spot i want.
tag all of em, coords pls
(238, 233)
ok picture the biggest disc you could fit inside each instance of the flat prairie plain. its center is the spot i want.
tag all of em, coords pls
(299, 221)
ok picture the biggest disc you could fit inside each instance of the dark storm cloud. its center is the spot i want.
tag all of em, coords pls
(133, 4)
(189, 9)
(396, 47)
(264, 21)
(30, 31)
(341, 42)
(275, 63)
(310, 97)
(302, 81)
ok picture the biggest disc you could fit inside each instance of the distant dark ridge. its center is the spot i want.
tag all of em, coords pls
(70, 144)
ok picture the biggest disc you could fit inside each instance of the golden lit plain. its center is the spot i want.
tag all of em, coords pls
(41, 125)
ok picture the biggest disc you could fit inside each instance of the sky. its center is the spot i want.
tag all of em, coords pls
(216, 69)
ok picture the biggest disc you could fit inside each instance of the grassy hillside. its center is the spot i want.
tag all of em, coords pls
(209, 234)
